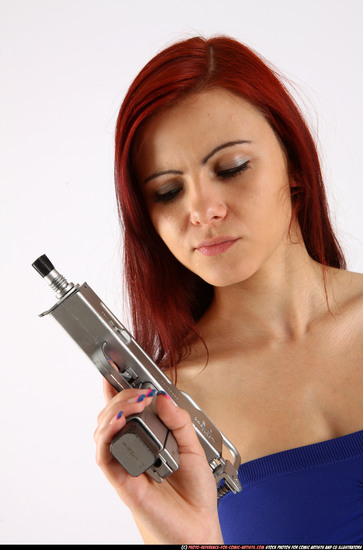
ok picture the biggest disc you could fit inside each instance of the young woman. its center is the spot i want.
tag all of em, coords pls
(238, 288)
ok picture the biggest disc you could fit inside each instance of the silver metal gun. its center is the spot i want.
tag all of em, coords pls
(144, 444)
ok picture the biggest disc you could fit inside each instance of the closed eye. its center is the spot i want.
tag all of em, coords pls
(234, 171)
(167, 196)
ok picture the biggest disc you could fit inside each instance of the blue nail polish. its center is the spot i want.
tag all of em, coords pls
(119, 414)
(151, 393)
(163, 393)
(141, 398)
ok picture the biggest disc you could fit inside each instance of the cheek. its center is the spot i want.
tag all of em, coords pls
(270, 194)
(167, 227)
(264, 210)
(282, 204)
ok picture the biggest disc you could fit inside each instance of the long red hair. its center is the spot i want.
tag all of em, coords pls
(166, 300)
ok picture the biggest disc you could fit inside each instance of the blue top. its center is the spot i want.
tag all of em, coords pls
(309, 495)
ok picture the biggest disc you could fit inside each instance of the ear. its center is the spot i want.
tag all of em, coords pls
(293, 179)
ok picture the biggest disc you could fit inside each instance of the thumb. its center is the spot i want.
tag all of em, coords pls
(179, 422)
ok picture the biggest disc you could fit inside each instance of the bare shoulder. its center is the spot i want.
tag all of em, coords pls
(347, 303)
(347, 288)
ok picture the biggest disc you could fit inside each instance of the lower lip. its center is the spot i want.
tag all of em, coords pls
(215, 249)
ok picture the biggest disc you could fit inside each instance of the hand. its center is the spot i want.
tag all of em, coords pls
(183, 508)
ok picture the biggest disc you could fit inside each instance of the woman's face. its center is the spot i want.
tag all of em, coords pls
(216, 184)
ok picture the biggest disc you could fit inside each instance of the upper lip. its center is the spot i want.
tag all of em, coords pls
(214, 241)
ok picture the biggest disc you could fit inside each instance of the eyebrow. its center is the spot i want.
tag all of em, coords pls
(157, 174)
(204, 161)
(223, 146)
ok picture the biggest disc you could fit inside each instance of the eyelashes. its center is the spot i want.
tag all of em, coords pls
(169, 193)
(167, 196)
(234, 171)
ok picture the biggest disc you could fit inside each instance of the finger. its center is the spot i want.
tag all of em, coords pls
(131, 395)
(111, 424)
(128, 401)
(113, 470)
(104, 435)
(109, 391)
(178, 420)
(191, 454)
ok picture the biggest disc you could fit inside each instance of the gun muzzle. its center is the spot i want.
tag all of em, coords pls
(57, 282)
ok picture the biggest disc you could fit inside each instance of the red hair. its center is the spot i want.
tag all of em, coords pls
(166, 300)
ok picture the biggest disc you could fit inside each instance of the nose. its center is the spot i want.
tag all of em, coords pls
(207, 209)
(213, 214)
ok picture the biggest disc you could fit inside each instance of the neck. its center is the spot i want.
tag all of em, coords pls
(276, 303)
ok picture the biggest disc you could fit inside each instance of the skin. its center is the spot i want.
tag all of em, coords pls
(161, 511)
(288, 361)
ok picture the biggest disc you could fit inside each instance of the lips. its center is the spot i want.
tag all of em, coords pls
(217, 245)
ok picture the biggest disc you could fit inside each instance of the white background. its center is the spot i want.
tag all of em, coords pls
(65, 66)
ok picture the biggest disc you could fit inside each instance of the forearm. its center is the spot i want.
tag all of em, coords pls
(212, 536)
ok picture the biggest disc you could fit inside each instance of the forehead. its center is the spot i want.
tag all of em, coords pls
(195, 126)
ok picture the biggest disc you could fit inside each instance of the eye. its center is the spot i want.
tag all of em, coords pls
(167, 195)
(233, 171)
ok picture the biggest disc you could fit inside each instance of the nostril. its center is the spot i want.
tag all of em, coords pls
(217, 212)
(207, 211)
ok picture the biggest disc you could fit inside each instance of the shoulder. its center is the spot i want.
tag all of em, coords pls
(346, 286)
(346, 299)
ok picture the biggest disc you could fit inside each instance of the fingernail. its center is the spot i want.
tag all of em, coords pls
(164, 394)
(117, 417)
(141, 397)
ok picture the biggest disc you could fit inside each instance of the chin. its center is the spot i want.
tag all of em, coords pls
(228, 277)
